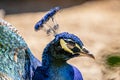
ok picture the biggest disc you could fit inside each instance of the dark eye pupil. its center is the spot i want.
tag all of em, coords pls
(72, 43)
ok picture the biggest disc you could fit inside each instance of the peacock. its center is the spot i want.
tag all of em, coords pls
(18, 63)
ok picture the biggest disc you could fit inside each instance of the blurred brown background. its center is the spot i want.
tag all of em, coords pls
(96, 22)
(22, 6)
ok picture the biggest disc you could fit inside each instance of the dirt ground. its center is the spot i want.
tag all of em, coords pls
(97, 23)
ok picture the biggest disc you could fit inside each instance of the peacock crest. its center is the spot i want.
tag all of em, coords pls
(48, 22)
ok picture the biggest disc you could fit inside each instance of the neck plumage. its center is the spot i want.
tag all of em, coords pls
(55, 69)
(48, 60)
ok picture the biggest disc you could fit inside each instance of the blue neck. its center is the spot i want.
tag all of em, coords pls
(56, 69)
(48, 60)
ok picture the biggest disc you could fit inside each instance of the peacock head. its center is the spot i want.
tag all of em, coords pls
(66, 46)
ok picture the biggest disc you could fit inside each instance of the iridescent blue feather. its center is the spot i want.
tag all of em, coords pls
(49, 15)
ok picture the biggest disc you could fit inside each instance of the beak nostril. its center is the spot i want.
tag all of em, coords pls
(85, 50)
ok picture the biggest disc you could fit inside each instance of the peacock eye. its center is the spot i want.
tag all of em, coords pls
(69, 41)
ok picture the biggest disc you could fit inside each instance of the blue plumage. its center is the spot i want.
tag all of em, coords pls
(66, 35)
(54, 65)
(39, 24)
(49, 15)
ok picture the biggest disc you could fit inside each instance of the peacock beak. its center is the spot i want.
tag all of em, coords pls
(75, 49)
(85, 52)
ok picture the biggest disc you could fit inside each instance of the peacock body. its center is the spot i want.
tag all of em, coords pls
(18, 63)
